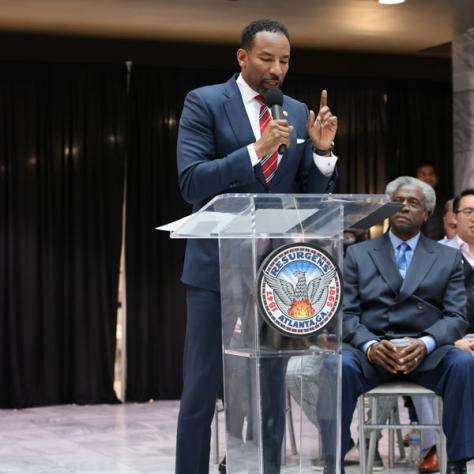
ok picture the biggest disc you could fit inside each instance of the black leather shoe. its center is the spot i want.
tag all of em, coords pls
(456, 468)
(222, 466)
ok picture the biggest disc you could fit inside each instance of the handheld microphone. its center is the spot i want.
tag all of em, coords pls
(274, 101)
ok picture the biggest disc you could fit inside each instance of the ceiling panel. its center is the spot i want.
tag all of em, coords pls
(415, 27)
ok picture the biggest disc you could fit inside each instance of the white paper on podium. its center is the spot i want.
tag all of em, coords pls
(265, 221)
(172, 226)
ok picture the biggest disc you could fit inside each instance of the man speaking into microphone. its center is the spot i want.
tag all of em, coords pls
(228, 141)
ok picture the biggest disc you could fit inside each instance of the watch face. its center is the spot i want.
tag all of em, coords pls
(299, 289)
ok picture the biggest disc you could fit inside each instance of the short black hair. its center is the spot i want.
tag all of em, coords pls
(249, 32)
(448, 206)
(457, 199)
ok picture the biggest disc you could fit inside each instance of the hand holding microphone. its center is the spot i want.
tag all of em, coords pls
(274, 101)
(277, 133)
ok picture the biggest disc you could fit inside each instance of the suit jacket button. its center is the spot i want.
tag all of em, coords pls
(419, 306)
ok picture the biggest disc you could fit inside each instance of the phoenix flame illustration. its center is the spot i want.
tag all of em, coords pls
(304, 299)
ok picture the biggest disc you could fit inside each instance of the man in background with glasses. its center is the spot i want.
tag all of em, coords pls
(463, 208)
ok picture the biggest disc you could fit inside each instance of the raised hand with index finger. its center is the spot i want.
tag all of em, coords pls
(323, 127)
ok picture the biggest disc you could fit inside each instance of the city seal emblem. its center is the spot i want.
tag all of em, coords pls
(299, 289)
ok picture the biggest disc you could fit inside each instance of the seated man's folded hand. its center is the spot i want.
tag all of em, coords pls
(411, 356)
(385, 354)
(466, 343)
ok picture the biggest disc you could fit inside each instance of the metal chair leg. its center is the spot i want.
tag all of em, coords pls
(441, 445)
(373, 436)
(291, 430)
(283, 449)
(401, 445)
(391, 443)
(362, 444)
(215, 436)
(291, 427)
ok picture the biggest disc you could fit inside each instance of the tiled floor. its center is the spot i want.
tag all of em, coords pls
(105, 439)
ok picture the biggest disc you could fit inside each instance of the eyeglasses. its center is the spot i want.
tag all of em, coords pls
(468, 211)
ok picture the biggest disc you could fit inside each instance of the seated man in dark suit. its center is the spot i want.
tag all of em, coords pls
(405, 285)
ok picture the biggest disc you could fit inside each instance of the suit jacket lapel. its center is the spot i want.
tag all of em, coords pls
(384, 260)
(421, 263)
(239, 121)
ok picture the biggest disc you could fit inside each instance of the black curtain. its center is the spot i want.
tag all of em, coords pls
(61, 194)
(156, 307)
(420, 130)
(362, 116)
(62, 150)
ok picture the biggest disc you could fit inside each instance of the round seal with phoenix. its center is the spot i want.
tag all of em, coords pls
(299, 289)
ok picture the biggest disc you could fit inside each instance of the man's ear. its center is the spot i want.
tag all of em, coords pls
(241, 57)
(428, 214)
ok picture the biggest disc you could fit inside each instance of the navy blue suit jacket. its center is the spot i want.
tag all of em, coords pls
(378, 303)
(214, 131)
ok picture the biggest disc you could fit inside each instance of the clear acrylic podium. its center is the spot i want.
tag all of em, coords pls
(278, 388)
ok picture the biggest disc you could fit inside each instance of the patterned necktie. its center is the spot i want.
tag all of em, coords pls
(269, 162)
(401, 258)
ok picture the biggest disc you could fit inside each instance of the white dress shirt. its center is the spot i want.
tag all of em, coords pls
(457, 243)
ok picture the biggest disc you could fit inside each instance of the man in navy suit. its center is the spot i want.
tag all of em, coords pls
(406, 285)
(222, 148)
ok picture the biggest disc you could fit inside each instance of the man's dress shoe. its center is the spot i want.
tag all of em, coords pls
(223, 466)
(456, 468)
(430, 462)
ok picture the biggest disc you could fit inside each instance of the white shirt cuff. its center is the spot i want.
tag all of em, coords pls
(253, 154)
(366, 345)
(325, 164)
(429, 342)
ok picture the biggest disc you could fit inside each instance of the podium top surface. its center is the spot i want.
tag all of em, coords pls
(284, 215)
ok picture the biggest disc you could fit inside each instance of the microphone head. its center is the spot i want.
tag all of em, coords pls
(273, 96)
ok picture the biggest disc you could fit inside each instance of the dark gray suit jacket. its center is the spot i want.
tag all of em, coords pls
(379, 304)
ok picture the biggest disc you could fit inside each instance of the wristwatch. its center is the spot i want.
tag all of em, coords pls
(323, 152)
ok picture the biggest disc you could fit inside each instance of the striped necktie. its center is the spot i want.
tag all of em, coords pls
(269, 162)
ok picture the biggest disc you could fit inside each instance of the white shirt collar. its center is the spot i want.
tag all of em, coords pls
(460, 243)
(247, 93)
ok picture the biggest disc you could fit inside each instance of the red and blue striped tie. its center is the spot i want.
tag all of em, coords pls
(269, 162)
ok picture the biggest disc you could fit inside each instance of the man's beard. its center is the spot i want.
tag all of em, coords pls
(262, 89)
